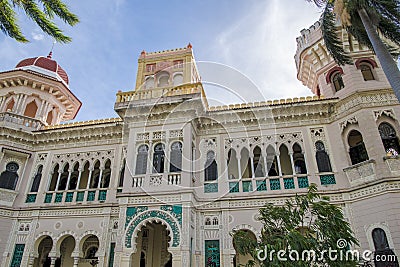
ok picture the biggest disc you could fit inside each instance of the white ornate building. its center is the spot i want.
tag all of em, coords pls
(166, 182)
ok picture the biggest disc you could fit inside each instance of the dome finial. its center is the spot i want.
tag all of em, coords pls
(51, 51)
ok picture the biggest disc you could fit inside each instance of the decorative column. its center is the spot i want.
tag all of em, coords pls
(31, 260)
(53, 262)
(149, 157)
(278, 161)
(58, 179)
(79, 179)
(89, 178)
(265, 164)
(69, 178)
(76, 261)
(100, 177)
(239, 173)
(253, 175)
(292, 162)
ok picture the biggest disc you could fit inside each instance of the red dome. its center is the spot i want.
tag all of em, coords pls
(45, 63)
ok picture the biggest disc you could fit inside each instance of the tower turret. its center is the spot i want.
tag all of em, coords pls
(36, 93)
(317, 70)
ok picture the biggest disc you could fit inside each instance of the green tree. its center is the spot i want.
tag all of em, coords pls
(366, 20)
(306, 222)
(42, 12)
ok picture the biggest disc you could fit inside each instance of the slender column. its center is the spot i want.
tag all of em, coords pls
(76, 261)
(68, 179)
(23, 102)
(149, 157)
(89, 179)
(278, 161)
(3, 102)
(15, 107)
(239, 168)
(292, 162)
(79, 178)
(53, 262)
(166, 156)
(100, 178)
(58, 180)
(305, 161)
(253, 175)
(31, 260)
(265, 165)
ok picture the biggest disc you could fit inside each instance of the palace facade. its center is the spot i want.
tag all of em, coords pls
(168, 180)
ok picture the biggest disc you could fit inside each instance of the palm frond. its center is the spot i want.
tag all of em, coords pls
(331, 39)
(60, 9)
(38, 16)
(8, 22)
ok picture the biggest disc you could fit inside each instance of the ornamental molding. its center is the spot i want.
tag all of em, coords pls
(387, 112)
(137, 217)
(82, 157)
(344, 124)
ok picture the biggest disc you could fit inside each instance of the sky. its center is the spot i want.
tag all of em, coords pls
(249, 43)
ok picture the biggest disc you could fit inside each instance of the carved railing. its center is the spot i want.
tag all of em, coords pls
(393, 163)
(156, 180)
(145, 94)
(361, 173)
(27, 123)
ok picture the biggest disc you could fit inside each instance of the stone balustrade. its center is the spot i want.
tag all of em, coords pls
(156, 180)
(18, 121)
(361, 173)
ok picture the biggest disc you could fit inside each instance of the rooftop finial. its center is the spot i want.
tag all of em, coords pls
(51, 51)
(189, 46)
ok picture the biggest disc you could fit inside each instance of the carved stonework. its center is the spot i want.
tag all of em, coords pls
(387, 112)
(343, 124)
(361, 173)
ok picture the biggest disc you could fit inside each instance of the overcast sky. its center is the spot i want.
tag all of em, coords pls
(252, 39)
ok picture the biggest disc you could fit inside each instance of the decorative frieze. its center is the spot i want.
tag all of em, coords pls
(343, 124)
(387, 112)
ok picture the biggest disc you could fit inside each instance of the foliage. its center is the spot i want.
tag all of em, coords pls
(42, 12)
(306, 222)
(384, 15)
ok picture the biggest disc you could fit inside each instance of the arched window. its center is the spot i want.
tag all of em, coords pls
(366, 71)
(94, 180)
(122, 174)
(91, 253)
(10, 105)
(176, 157)
(358, 152)
(323, 162)
(163, 79)
(141, 159)
(149, 83)
(215, 221)
(258, 162)
(106, 175)
(74, 177)
(54, 178)
(178, 79)
(64, 178)
(207, 221)
(31, 109)
(299, 161)
(9, 177)
(245, 164)
(272, 163)
(380, 239)
(286, 164)
(211, 170)
(158, 158)
(36, 179)
(389, 139)
(233, 172)
(337, 81)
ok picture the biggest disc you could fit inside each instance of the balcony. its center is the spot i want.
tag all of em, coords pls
(393, 163)
(156, 180)
(7, 197)
(12, 120)
(361, 173)
(75, 196)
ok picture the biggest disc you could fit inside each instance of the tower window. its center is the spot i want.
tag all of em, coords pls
(211, 171)
(366, 72)
(358, 152)
(389, 139)
(36, 179)
(141, 160)
(150, 67)
(9, 178)
(158, 159)
(323, 162)
(337, 81)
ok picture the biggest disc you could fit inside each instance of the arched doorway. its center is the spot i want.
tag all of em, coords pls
(44, 246)
(152, 245)
(65, 246)
(89, 246)
(240, 259)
